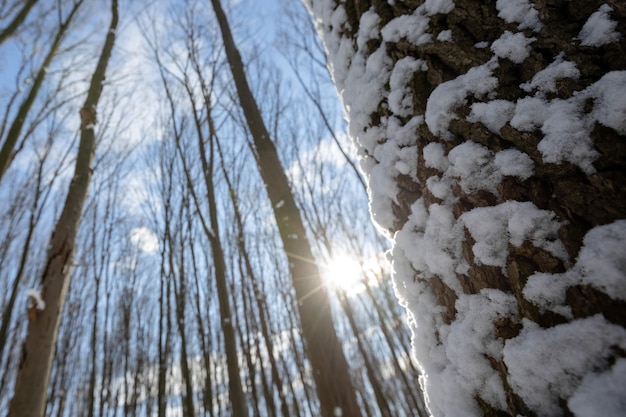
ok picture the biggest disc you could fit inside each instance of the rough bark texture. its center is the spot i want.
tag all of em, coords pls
(579, 197)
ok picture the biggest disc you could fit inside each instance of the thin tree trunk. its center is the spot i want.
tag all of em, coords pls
(6, 152)
(38, 350)
(180, 295)
(249, 272)
(330, 368)
(19, 18)
(416, 401)
(237, 397)
(373, 376)
(7, 313)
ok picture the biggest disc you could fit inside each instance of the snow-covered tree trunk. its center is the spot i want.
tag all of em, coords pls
(493, 137)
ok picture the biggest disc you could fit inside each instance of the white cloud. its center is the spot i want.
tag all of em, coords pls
(145, 239)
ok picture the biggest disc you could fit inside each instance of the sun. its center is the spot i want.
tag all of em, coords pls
(344, 272)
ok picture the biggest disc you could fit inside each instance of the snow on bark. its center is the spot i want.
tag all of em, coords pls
(490, 331)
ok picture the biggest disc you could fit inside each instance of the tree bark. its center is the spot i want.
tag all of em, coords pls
(417, 113)
(329, 365)
(38, 351)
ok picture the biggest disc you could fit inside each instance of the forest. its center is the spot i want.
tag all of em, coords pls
(334, 208)
(179, 272)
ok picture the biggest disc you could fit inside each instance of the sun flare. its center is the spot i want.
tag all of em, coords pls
(344, 272)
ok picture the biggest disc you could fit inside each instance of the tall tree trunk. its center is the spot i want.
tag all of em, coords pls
(237, 397)
(180, 294)
(329, 365)
(29, 398)
(259, 299)
(373, 376)
(493, 140)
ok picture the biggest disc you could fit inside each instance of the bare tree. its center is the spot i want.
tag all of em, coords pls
(330, 368)
(44, 315)
(15, 130)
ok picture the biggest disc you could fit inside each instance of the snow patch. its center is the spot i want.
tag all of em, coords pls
(432, 243)
(512, 162)
(564, 123)
(601, 264)
(513, 46)
(493, 114)
(410, 27)
(609, 107)
(445, 36)
(434, 156)
(601, 394)
(599, 29)
(519, 11)
(433, 7)
(473, 165)
(452, 94)
(35, 296)
(546, 365)
(471, 339)
(400, 97)
(512, 222)
(545, 80)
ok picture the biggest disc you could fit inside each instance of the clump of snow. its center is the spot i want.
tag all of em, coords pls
(397, 155)
(433, 244)
(567, 135)
(609, 107)
(546, 365)
(493, 114)
(400, 97)
(512, 222)
(35, 296)
(564, 123)
(601, 263)
(452, 94)
(599, 29)
(338, 412)
(368, 28)
(470, 339)
(445, 36)
(410, 27)
(433, 7)
(530, 113)
(434, 156)
(601, 394)
(513, 46)
(514, 163)
(545, 80)
(473, 165)
(519, 11)
(481, 45)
